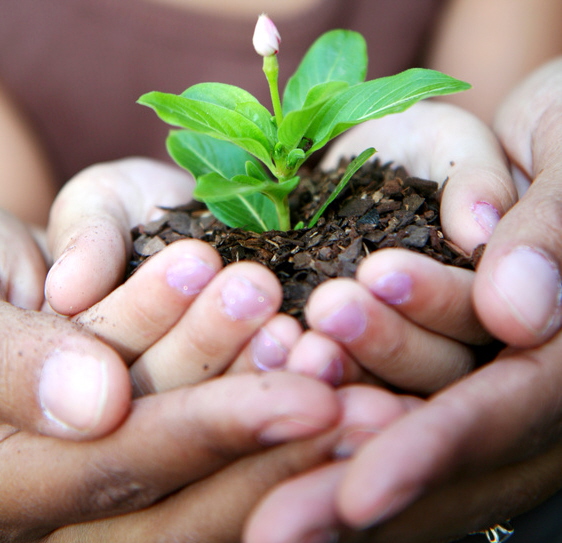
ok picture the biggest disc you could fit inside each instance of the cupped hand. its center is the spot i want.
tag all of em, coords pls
(90, 221)
(406, 319)
(518, 289)
(443, 143)
(484, 450)
(180, 319)
(169, 441)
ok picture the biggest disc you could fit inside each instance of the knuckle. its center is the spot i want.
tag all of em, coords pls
(208, 346)
(114, 490)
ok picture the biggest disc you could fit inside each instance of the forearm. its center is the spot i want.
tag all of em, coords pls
(27, 185)
(493, 44)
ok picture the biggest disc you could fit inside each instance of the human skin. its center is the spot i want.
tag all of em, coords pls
(489, 444)
(68, 208)
(82, 225)
(469, 522)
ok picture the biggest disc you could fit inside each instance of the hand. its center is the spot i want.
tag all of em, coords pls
(172, 307)
(89, 228)
(37, 348)
(490, 444)
(409, 320)
(461, 462)
(169, 440)
(443, 143)
(518, 290)
(150, 315)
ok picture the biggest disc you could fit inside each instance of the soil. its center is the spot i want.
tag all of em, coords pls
(382, 206)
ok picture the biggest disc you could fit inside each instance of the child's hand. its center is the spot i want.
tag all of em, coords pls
(90, 222)
(177, 320)
(409, 320)
(180, 320)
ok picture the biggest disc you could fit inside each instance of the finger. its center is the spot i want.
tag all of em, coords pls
(90, 222)
(518, 288)
(281, 345)
(142, 310)
(385, 343)
(214, 330)
(304, 508)
(319, 356)
(456, 147)
(434, 296)
(269, 348)
(57, 380)
(22, 266)
(455, 431)
(477, 502)
(169, 441)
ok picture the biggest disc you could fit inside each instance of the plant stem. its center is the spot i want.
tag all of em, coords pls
(271, 71)
(283, 213)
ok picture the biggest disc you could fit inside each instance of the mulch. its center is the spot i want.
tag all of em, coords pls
(381, 207)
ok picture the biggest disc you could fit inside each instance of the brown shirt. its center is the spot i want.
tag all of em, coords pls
(77, 67)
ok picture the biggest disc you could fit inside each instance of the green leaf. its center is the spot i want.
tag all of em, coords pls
(235, 99)
(352, 167)
(280, 190)
(378, 98)
(213, 187)
(296, 123)
(254, 169)
(220, 111)
(201, 154)
(254, 212)
(338, 55)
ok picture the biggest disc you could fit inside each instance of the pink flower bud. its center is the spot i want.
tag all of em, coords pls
(266, 37)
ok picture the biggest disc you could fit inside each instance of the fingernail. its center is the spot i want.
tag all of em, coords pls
(486, 216)
(285, 429)
(321, 536)
(267, 352)
(393, 288)
(189, 275)
(332, 372)
(64, 254)
(73, 389)
(346, 324)
(352, 440)
(530, 283)
(243, 301)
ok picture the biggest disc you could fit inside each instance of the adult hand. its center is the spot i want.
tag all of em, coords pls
(482, 451)
(518, 289)
(149, 316)
(54, 378)
(490, 442)
(169, 440)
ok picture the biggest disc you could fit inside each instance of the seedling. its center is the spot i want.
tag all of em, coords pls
(246, 160)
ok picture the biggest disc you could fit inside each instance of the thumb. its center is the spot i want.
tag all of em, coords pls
(90, 222)
(57, 380)
(517, 291)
